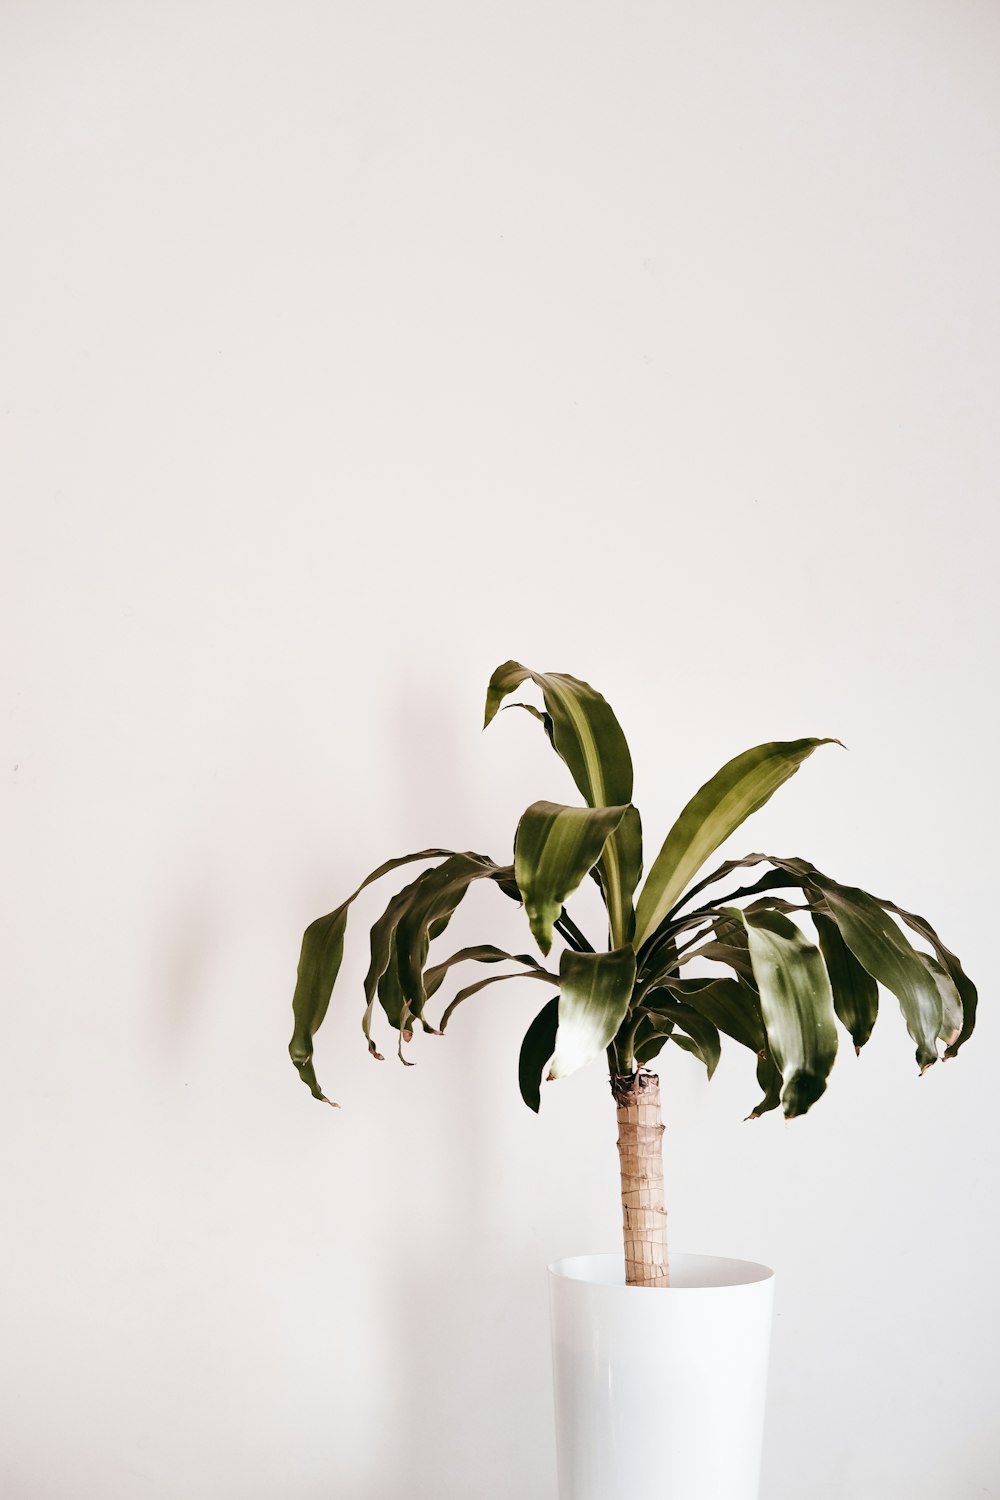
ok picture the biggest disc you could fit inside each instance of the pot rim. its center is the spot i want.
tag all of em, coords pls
(608, 1273)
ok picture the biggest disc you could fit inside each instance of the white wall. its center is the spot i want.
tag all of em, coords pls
(348, 350)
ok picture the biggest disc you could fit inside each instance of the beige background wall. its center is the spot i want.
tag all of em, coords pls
(349, 349)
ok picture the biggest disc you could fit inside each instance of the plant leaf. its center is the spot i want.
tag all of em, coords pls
(483, 953)
(536, 1050)
(698, 1031)
(742, 786)
(319, 964)
(595, 990)
(651, 1036)
(481, 984)
(951, 1000)
(881, 947)
(964, 986)
(401, 937)
(588, 737)
(796, 1003)
(554, 848)
(432, 900)
(769, 1079)
(855, 992)
(732, 1007)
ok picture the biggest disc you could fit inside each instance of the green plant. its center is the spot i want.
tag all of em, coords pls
(632, 996)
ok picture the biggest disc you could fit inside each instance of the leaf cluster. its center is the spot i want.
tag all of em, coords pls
(776, 987)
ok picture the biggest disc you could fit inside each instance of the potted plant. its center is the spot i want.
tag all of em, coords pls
(656, 1362)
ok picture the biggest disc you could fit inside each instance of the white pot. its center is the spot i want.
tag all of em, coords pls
(660, 1392)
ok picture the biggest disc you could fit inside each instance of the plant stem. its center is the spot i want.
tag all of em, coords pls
(640, 1149)
(568, 929)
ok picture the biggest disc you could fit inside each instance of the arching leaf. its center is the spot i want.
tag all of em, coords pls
(698, 1031)
(432, 900)
(732, 1007)
(319, 964)
(855, 992)
(554, 849)
(880, 946)
(483, 953)
(481, 984)
(401, 937)
(588, 737)
(951, 1000)
(964, 986)
(651, 1036)
(796, 1004)
(742, 786)
(536, 1050)
(770, 1081)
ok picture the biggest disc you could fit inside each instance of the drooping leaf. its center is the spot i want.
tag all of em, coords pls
(554, 848)
(401, 937)
(796, 1004)
(855, 992)
(700, 1036)
(319, 964)
(536, 1050)
(536, 713)
(742, 786)
(595, 989)
(964, 986)
(951, 1000)
(769, 1079)
(881, 947)
(483, 953)
(481, 984)
(588, 737)
(688, 1044)
(433, 898)
(732, 1007)
(585, 731)
(737, 958)
(651, 1036)
(720, 873)
(814, 880)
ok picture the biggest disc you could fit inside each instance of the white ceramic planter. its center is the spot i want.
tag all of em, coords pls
(660, 1393)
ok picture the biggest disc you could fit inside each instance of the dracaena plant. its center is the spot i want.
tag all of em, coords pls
(788, 951)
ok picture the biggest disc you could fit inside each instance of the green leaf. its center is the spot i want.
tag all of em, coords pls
(595, 990)
(651, 1036)
(881, 947)
(742, 786)
(951, 1000)
(433, 898)
(967, 993)
(481, 984)
(796, 1004)
(536, 1050)
(401, 937)
(855, 992)
(554, 848)
(769, 1079)
(732, 1007)
(483, 953)
(588, 737)
(627, 843)
(319, 964)
(700, 1036)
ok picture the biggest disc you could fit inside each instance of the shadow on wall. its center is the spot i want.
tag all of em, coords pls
(444, 1384)
(182, 954)
(430, 796)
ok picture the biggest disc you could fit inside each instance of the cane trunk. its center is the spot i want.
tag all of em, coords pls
(640, 1149)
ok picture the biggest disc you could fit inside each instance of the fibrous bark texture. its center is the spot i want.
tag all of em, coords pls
(640, 1147)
